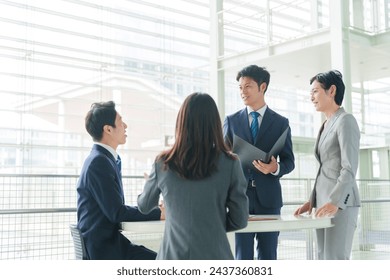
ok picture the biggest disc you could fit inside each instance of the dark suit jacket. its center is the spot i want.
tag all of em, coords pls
(101, 207)
(268, 186)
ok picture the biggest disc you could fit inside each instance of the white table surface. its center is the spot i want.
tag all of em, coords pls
(264, 223)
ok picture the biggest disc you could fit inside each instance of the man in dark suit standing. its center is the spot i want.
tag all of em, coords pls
(100, 199)
(262, 127)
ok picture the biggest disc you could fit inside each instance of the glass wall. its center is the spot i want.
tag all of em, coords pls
(58, 57)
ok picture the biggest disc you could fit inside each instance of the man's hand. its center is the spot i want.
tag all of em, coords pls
(266, 168)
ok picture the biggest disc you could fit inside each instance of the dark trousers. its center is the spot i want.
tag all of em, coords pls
(137, 252)
(267, 242)
(122, 249)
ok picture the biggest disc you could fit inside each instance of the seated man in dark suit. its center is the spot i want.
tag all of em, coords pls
(100, 201)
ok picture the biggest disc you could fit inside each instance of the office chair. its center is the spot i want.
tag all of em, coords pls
(78, 242)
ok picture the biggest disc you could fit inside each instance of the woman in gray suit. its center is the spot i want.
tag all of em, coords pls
(335, 190)
(202, 184)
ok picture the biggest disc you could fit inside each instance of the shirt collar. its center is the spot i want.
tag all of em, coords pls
(108, 148)
(261, 111)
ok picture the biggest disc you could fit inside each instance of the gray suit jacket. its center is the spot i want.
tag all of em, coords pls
(337, 151)
(198, 212)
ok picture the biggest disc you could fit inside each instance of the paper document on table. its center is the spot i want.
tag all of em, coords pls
(248, 153)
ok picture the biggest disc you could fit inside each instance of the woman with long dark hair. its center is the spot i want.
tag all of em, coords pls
(202, 185)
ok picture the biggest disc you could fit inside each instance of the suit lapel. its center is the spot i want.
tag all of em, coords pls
(244, 121)
(328, 126)
(318, 140)
(266, 121)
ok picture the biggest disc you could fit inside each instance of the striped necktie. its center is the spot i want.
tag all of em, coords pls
(254, 125)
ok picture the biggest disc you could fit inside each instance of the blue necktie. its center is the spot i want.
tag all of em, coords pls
(254, 125)
(119, 164)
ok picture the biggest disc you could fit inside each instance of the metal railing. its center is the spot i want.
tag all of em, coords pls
(36, 210)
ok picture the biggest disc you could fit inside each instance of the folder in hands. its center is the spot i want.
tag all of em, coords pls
(248, 153)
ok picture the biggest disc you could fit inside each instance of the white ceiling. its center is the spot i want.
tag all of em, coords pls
(293, 63)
